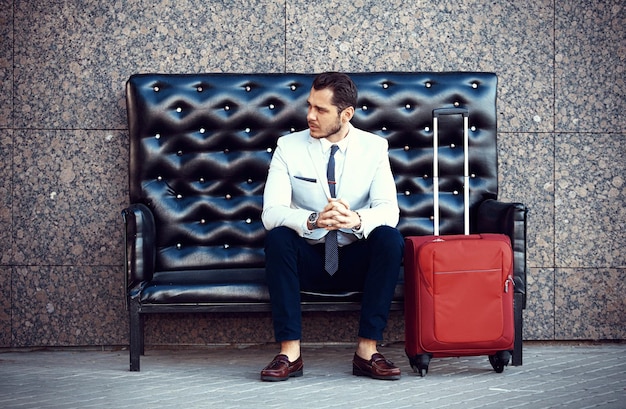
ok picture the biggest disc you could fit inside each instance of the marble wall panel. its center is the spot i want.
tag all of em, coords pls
(238, 328)
(5, 306)
(73, 57)
(590, 303)
(590, 66)
(526, 175)
(6, 63)
(6, 195)
(70, 187)
(66, 306)
(63, 65)
(508, 38)
(208, 329)
(344, 327)
(6, 162)
(539, 312)
(590, 214)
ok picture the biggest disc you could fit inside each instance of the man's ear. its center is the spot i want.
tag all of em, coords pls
(347, 114)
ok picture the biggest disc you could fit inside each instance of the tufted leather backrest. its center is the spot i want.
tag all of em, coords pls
(201, 144)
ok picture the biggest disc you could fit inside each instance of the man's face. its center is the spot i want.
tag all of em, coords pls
(323, 117)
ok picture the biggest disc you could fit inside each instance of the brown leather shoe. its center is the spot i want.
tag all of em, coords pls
(377, 368)
(281, 369)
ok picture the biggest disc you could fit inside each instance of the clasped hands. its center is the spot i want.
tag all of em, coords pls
(337, 215)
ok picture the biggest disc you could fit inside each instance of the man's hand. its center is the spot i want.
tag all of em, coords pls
(337, 215)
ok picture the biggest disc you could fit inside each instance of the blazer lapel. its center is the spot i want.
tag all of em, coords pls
(353, 162)
(317, 162)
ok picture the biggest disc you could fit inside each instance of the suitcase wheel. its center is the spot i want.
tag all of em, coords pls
(419, 363)
(499, 360)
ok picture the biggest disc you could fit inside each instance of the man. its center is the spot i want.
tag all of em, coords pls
(331, 183)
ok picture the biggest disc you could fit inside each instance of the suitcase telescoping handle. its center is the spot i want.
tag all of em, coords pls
(436, 114)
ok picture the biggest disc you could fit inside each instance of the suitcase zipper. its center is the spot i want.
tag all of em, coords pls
(488, 270)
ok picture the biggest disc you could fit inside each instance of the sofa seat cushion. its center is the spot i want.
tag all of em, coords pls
(227, 286)
(203, 286)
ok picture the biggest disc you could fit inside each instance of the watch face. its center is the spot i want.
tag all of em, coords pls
(313, 218)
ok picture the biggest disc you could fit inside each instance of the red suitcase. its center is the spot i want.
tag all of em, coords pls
(458, 288)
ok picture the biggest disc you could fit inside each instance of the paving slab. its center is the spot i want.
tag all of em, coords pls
(573, 376)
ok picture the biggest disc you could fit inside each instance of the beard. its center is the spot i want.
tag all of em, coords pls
(323, 133)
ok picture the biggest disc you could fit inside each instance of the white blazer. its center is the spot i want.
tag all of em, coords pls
(296, 184)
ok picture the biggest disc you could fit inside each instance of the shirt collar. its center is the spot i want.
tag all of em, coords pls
(342, 144)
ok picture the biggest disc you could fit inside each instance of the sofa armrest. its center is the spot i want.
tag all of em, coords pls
(139, 246)
(510, 219)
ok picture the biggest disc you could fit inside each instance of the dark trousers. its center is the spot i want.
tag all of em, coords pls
(370, 265)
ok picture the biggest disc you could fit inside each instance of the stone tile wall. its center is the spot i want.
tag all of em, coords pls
(63, 143)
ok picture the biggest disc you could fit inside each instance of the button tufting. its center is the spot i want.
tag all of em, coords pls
(269, 150)
(407, 193)
(179, 153)
(427, 129)
(456, 192)
(157, 136)
(202, 221)
(425, 176)
(199, 89)
(248, 221)
(226, 108)
(226, 150)
(406, 147)
(384, 128)
(179, 196)
(202, 130)
(179, 246)
(248, 88)
(428, 84)
(408, 106)
(228, 196)
(201, 180)
(432, 217)
(179, 109)
(473, 175)
(385, 85)
(452, 146)
(156, 89)
(247, 130)
(473, 128)
(159, 178)
(226, 246)
(272, 106)
(293, 87)
(456, 104)
(364, 107)
(249, 181)
(474, 85)
(292, 130)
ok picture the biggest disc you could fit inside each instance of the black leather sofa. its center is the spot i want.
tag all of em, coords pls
(200, 147)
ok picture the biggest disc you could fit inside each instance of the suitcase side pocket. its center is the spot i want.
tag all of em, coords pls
(468, 289)
(468, 305)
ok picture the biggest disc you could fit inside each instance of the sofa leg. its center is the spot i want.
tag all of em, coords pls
(519, 326)
(136, 335)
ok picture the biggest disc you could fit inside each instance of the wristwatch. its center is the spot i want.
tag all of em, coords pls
(313, 219)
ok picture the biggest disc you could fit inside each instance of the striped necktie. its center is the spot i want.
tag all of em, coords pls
(331, 262)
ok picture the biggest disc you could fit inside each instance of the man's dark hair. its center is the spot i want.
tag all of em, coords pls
(344, 89)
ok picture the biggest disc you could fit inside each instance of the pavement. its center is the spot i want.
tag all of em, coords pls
(554, 375)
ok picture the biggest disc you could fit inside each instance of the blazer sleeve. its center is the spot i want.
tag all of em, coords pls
(277, 203)
(382, 207)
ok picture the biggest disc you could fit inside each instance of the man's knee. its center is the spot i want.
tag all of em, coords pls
(387, 239)
(278, 236)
